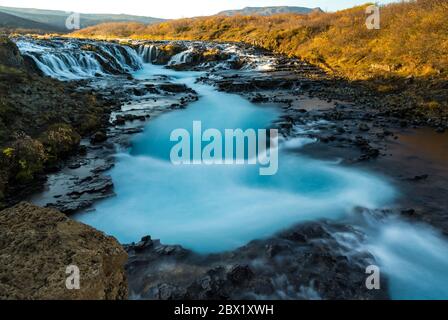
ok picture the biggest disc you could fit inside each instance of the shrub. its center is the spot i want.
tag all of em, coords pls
(23, 159)
(60, 141)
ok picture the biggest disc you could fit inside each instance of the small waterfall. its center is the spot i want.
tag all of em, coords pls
(148, 53)
(67, 66)
(181, 58)
(74, 59)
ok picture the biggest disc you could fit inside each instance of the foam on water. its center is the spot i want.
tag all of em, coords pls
(414, 257)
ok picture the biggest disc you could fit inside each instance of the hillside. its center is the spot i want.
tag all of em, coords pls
(10, 22)
(412, 40)
(267, 11)
(56, 19)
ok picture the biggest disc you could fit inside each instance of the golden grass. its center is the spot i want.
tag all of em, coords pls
(412, 41)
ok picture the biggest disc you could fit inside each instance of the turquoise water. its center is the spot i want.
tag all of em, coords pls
(415, 258)
(216, 208)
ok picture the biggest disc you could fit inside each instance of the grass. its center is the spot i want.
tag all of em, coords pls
(412, 41)
(405, 60)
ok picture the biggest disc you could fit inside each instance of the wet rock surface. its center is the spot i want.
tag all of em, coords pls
(36, 247)
(304, 262)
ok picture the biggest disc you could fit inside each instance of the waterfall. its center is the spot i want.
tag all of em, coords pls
(76, 59)
(181, 58)
(148, 53)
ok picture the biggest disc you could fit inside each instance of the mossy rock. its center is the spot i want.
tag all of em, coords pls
(9, 54)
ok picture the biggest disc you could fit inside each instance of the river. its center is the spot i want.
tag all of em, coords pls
(215, 208)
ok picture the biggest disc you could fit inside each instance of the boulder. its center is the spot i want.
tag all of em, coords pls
(98, 137)
(36, 247)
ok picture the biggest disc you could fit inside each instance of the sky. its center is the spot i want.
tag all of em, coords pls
(172, 9)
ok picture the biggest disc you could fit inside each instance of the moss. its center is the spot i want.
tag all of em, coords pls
(172, 49)
(214, 55)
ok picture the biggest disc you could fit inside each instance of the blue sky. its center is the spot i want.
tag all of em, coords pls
(174, 8)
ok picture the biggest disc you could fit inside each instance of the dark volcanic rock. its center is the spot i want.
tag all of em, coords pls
(173, 87)
(84, 193)
(99, 137)
(305, 262)
(9, 54)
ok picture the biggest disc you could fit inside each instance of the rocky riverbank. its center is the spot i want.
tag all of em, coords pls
(304, 262)
(42, 121)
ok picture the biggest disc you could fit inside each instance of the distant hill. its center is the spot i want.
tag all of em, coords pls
(267, 11)
(9, 22)
(56, 19)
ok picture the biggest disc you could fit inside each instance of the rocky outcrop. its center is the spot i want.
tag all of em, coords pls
(167, 51)
(36, 247)
(9, 54)
(40, 110)
(305, 262)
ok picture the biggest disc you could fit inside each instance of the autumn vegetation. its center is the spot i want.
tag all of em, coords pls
(412, 39)
(405, 62)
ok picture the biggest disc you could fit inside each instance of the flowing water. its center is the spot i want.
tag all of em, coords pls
(216, 208)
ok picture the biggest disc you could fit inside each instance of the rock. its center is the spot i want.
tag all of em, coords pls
(98, 137)
(308, 255)
(82, 150)
(440, 130)
(420, 177)
(71, 205)
(240, 274)
(173, 87)
(75, 165)
(103, 168)
(146, 242)
(138, 92)
(120, 120)
(272, 250)
(340, 130)
(408, 212)
(95, 184)
(9, 54)
(363, 127)
(259, 98)
(37, 245)
(132, 130)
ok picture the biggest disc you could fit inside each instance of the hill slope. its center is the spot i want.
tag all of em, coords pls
(267, 11)
(10, 22)
(57, 19)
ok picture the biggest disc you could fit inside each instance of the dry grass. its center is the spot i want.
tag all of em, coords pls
(412, 41)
